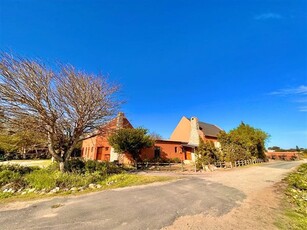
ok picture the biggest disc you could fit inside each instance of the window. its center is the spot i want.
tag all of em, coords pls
(175, 149)
(92, 149)
(107, 148)
(157, 152)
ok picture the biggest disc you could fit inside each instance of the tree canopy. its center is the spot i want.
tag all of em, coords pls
(63, 105)
(243, 142)
(130, 141)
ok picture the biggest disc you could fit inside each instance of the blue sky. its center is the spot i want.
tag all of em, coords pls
(223, 61)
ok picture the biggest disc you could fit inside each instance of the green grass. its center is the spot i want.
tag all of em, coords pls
(39, 163)
(295, 202)
(46, 179)
(125, 180)
(19, 182)
(111, 182)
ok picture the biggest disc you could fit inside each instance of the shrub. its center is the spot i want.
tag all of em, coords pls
(80, 166)
(54, 167)
(18, 168)
(93, 166)
(75, 165)
(12, 175)
(7, 176)
(161, 160)
(176, 160)
(103, 168)
(4, 195)
(10, 179)
(69, 180)
(293, 157)
(112, 168)
(296, 199)
(42, 179)
(282, 157)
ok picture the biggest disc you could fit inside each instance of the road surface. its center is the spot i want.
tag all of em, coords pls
(215, 200)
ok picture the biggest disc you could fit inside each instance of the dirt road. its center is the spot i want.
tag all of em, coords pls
(242, 198)
(260, 207)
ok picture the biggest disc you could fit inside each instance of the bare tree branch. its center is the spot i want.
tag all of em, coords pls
(62, 105)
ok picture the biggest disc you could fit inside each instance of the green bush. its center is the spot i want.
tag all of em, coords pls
(18, 168)
(7, 176)
(296, 205)
(4, 195)
(297, 189)
(80, 166)
(54, 167)
(14, 179)
(161, 160)
(75, 165)
(91, 166)
(298, 179)
(44, 179)
(176, 160)
(104, 168)
(112, 168)
(69, 180)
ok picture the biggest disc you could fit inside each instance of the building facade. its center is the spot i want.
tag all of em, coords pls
(97, 147)
(191, 130)
(181, 146)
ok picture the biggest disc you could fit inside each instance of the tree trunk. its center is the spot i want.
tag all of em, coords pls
(62, 169)
(136, 164)
(24, 153)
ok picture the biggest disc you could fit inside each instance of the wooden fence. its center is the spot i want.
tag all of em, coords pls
(155, 165)
(239, 163)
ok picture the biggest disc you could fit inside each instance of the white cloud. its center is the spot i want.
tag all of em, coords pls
(298, 94)
(303, 109)
(267, 16)
(301, 90)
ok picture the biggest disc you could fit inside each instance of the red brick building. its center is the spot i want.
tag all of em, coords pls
(97, 147)
(182, 144)
(190, 131)
(282, 155)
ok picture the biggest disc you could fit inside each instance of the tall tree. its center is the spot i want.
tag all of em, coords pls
(130, 141)
(63, 104)
(243, 142)
(231, 149)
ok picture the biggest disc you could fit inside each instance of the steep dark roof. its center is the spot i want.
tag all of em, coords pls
(209, 129)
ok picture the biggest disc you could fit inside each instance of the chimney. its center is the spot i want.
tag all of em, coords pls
(194, 135)
(120, 120)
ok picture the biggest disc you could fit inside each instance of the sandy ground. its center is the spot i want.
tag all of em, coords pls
(259, 210)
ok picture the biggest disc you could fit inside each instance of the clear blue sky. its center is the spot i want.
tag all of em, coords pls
(222, 61)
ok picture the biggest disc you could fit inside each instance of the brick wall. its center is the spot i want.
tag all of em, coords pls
(282, 155)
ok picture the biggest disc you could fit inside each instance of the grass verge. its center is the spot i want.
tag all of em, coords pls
(111, 182)
(295, 201)
(38, 163)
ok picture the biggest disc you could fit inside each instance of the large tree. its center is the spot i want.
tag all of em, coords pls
(243, 142)
(61, 104)
(130, 141)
